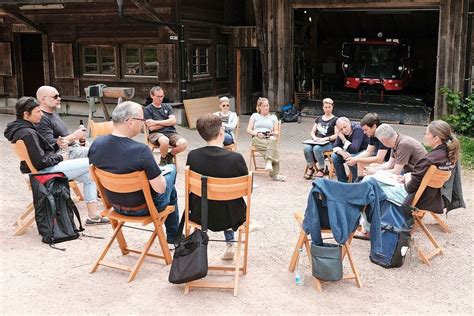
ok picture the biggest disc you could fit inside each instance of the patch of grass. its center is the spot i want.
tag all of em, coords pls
(467, 152)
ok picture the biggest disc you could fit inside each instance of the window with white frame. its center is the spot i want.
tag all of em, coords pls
(200, 61)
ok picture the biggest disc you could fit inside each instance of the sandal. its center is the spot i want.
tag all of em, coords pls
(309, 173)
(319, 174)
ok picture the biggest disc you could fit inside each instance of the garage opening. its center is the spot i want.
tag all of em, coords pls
(380, 61)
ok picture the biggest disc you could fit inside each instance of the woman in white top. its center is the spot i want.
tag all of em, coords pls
(229, 120)
(262, 127)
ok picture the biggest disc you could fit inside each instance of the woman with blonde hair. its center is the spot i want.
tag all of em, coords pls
(229, 120)
(262, 128)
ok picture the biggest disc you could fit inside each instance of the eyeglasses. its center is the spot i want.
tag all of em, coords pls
(138, 119)
(56, 96)
(159, 96)
(225, 105)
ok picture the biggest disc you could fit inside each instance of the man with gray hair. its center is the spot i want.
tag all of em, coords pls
(118, 153)
(350, 141)
(406, 151)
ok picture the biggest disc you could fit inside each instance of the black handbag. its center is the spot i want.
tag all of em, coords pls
(190, 254)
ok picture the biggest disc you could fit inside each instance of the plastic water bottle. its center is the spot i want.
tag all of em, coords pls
(299, 278)
(82, 141)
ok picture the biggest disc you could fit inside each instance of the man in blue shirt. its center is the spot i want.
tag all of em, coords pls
(350, 141)
(118, 153)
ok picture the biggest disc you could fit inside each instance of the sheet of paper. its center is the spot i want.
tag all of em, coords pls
(387, 178)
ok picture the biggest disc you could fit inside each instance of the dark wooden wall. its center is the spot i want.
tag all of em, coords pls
(98, 23)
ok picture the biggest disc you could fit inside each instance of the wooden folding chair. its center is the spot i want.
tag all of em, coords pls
(302, 95)
(304, 241)
(233, 146)
(26, 219)
(254, 153)
(100, 129)
(221, 189)
(153, 146)
(127, 183)
(327, 155)
(434, 178)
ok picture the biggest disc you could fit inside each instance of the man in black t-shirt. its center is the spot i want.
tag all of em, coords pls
(376, 152)
(118, 153)
(161, 121)
(54, 129)
(215, 161)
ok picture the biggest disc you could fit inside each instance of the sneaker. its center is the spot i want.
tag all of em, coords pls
(268, 166)
(229, 252)
(255, 226)
(278, 177)
(97, 220)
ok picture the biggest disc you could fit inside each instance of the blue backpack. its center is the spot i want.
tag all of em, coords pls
(290, 113)
(396, 225)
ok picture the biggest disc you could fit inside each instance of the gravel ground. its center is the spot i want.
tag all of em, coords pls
(36, 279)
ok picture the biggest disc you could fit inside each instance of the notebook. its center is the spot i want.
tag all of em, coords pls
(314, 142)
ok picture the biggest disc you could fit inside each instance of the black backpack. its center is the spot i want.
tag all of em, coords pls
(396, 224)
(54, 208)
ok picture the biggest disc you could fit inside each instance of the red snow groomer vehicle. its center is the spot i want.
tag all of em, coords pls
(379, 65)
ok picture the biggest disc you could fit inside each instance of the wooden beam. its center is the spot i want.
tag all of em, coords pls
(15, 13)
(43, 2)
(150, 12)
(384, 4)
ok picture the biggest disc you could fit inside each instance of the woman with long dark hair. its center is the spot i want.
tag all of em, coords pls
(45, 159)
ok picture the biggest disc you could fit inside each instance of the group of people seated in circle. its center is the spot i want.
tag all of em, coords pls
(370, 148)
(366, 149)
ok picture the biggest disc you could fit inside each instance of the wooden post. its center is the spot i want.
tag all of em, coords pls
(238, 79)
(277, 50)
(452, 40)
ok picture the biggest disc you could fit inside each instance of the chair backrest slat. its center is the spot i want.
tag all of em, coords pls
(433, 178)
(22, 152)
(100, 129)
(220, 189)
(123, 183)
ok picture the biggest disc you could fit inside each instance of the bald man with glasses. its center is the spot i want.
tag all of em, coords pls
(54, 129)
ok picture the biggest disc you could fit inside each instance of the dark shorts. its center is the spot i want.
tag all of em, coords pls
(173, 137)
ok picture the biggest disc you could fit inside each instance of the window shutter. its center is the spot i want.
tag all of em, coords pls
(6, 59)
(165, 62)
(63, 61)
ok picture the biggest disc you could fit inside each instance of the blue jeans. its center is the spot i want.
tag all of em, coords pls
(169, 197)
(78, 170)
(228, 139)
(229, 235)
(315, 153)
(341, 175)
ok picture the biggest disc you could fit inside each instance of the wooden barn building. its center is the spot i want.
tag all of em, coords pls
(240, 48)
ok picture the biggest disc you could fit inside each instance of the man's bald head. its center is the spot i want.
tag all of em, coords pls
(48, 98)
